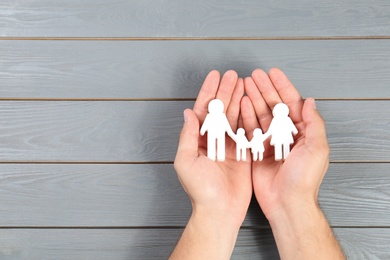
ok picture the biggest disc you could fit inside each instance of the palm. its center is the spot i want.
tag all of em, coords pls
(275, 181)
(217, 185)
(224, 184)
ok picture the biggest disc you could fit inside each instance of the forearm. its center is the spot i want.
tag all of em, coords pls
(206, 237)
(304, 233)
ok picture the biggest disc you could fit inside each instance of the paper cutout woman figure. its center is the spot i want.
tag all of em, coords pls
(257, 144)
(281, 129)
(241, 145)
(216, 124)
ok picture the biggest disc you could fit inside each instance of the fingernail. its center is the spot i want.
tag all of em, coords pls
(314, 104)
(185, 115)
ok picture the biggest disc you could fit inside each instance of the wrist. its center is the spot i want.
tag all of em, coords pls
(221, 230)
(230, 215)
(216, 222)
(302, 232)
(297, 218)
(294, 212)
(206, 236)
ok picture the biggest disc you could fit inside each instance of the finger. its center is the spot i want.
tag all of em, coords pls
(263, 112)
(206, 94)
(240, 123)
(288, 93)
(315, 133)
(249, 119)
(226, 88)
(233, 110)
(188, 143)
(266, 88)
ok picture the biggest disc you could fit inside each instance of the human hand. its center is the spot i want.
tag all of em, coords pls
(220, 191)
(223, 189)
(287, 191)
(284, 186)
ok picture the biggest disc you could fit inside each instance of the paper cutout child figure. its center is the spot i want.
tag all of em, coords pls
(216, 124)
(241, 145)
(257, 144)
(281, 128)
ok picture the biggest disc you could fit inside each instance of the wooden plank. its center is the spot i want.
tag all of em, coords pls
(356, 195)
(212, 18)
(137, 244)
(66, 195)
(148, 131)
(92, 195)
(176, 69)
(116, 244)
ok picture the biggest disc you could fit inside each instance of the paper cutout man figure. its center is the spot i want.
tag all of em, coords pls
(241, 145)
(281, 129)
(216, 124)
(257, 144)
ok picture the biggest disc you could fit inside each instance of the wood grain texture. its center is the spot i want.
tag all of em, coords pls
(158, 243)
(117, 244)
(98, 210)
(211, 18)
(148, 131)
(66, 195)
(176, 69)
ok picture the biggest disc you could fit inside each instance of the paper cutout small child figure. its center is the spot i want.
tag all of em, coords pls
(257, 144)
(216, 124)
(241, 145)
(281, 128)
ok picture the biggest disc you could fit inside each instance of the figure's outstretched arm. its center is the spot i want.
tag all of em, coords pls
(294, 130)
(229, 130)
(204, 127)
(231, 134)
(234, 138)
(266, 135)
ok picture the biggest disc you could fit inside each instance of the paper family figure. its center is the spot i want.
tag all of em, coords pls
(216, 125)
(241, 144)
(257, 144)
(281, 129)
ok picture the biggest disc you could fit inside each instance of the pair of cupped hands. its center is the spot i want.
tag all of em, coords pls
(223, 189)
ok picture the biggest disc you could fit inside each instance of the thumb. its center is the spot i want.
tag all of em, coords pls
(315, 126)
(189, 136)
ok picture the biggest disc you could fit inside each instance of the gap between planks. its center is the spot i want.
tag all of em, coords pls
(83, 162)
(153, 162)
(168, 99)
(292, 38)
(167, 227)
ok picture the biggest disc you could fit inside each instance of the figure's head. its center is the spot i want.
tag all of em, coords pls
(240, 131)
(216, 106)
(257, 132)
(280, 109)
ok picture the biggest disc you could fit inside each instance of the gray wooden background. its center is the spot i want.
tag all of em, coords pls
(91, 101)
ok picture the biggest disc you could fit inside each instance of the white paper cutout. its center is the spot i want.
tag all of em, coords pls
(216, 125)
(241, 145)
(257, 144)
(281, 129)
